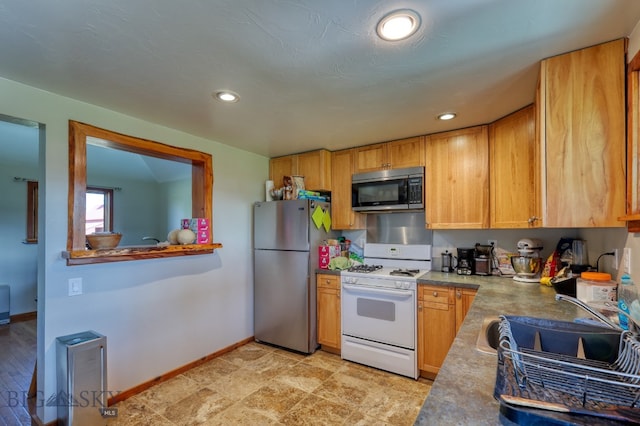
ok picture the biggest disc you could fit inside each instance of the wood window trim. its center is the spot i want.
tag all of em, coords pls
(108, 194)
(201, 195)
(32, 212)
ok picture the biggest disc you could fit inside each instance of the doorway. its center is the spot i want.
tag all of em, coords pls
(21, 218)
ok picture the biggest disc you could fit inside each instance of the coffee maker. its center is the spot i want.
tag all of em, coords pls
(483, 260)
(466, 263)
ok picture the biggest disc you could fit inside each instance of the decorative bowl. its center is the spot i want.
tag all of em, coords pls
(526, 265)
(106, 240)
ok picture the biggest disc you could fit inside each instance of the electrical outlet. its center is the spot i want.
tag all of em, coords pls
(75, 286)
(494, 242)
(626, 260)
(616, 259)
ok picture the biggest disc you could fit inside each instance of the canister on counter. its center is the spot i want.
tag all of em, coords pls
(596, 287)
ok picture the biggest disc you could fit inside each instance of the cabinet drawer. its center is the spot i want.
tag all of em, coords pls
(328, 281)
(436, 294)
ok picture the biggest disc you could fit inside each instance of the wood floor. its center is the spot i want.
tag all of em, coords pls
(17, 360)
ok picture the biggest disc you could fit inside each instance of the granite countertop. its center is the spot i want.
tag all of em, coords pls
(463, 390)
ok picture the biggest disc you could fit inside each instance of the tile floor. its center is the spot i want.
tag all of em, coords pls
(257, 384)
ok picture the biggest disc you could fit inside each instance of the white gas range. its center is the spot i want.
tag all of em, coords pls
(379, 307)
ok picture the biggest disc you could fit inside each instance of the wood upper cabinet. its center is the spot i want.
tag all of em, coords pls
(633, 145)
(514, 171)
(582, 129)
(328, 299)
(390, 155)
(342, 215)
(315, 166)
(457, 179)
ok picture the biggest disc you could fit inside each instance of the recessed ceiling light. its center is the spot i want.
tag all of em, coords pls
(398, 25)
(447, 116)
(226, 96)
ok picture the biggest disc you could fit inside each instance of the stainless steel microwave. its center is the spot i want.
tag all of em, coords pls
(387, 190)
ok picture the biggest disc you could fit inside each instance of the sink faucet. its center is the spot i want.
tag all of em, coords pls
(589, 309)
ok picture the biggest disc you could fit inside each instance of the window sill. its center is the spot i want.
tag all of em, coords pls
(126, 253)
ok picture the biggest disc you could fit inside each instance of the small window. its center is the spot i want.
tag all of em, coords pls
(99, 215)
(32, 212)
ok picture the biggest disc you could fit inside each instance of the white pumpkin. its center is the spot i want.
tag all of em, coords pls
(186, 236)
(173, 236)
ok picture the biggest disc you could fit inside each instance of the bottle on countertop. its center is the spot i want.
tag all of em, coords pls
(628, 301)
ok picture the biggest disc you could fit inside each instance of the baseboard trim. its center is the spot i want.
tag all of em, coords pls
(173, 373)
(27, 316)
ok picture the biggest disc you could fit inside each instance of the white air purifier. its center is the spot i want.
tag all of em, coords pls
(4, 304)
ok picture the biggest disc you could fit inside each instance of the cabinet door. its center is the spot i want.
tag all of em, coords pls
(406, 153)
(315, 166)
(342, 215)
(464, 298)
(514, 171)
(371, 158)
(282, 166)
(436, 331)
(328, 290)
(584, 137)
(457, 179)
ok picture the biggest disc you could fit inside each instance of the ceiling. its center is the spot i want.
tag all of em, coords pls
(311, 74)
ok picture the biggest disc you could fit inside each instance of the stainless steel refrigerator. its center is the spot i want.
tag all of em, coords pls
(286, 237)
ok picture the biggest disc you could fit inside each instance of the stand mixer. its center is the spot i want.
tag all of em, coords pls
(528, 264)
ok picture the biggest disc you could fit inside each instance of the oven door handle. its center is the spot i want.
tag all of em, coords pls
(363, 289)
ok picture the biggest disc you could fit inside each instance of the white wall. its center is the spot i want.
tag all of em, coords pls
(157, 314)
(18, 261)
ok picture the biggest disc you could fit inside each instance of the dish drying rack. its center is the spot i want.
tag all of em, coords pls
(570, 380)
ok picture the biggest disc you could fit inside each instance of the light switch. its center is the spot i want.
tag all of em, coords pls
(75, 286)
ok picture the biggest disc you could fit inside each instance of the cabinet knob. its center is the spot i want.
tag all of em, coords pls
(435, 294)
(532, 219)
(420, 306)
(458, 294)
(328, 281)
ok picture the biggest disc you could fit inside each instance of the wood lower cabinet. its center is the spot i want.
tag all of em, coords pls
(581, 115)
(464, 299)
(397, 154)
(315, 166)
(441, 311)
(457, 179)
(328, 311)
(514, 158)
(342, 214)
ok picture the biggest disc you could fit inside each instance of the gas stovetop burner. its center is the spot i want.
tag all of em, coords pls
(405, 272)
(365, 269)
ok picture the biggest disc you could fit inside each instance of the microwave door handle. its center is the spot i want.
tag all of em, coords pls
(363, 289)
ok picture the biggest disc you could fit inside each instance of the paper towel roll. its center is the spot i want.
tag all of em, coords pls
(268, 187)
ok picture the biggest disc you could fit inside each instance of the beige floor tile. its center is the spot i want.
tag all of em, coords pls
(239, 384)
(134, 412)
(271, 365)
(240, 414)
(314, 410)
(198, 408)
(274, 399)
(166, 393)
(304, 377)
(343, 389)
(324, 360)
(257, 384)
(211, 371)
(245, 354)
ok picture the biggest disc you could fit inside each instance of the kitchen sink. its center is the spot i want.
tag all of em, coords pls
(489, 336)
